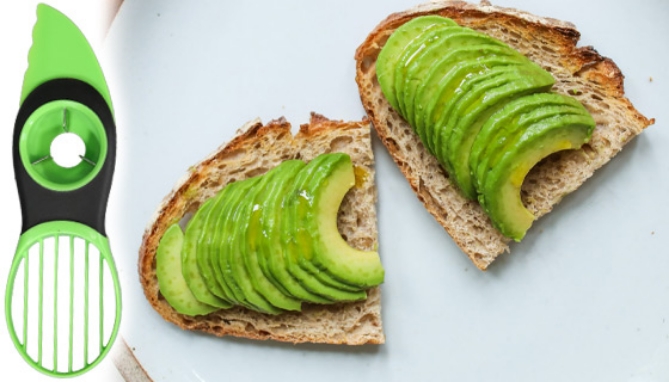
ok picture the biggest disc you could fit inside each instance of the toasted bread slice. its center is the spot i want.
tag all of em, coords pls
(254, 150)
(580, 72)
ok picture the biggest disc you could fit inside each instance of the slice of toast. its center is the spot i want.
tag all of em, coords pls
(254, 150)
(580, 72)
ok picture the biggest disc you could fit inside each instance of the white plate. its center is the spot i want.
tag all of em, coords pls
(584, 297)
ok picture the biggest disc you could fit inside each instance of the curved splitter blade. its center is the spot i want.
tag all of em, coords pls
(60, 50)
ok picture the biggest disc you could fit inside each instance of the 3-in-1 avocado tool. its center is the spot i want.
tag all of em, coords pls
(63, 299)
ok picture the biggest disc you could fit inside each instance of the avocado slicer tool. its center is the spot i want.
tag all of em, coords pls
(63, 296)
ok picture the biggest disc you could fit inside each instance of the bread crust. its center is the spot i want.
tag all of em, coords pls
(580, 72)
(255, 149)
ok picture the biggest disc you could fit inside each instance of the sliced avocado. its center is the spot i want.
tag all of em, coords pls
(236, 241)
(208, 248)
(191, 273)
(477, 107)
(306, 244)
(257, 242)
(318, 205)
(171, 282)
(204, 243)
(502, 126)
(441, 129)
(270, 250)
(499, 148)
(249, 236)
(446, 74)
(470, 99)
(452, 84)
(414, 50)
(451, 46)
(475, 87)
(394, 47)
(296, 245)
(502, 188)
(225, 255)
(495, 130)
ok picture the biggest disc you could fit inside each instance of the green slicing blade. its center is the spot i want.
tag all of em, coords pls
(63, 296)
(87, 250)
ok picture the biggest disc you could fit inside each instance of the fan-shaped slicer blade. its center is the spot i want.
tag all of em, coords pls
(63, 301)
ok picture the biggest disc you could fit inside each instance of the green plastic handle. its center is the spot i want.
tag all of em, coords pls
(60, 50)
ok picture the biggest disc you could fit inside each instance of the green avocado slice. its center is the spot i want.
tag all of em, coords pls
(451, 46)
(307, 244)
(499, 148)
(270, 250)
(171, 282)
(441, 128)
(445, 75)
(296, 240)
(502, 126)
(318, 205)
(225, 254)
(412, 52)
(451, 85)
(212, 243)
(474, 109)
(204, 244)
(232, 247)
(249, 236)
(258, 233)
(495, 130)
(190, 270)
(502, 187)
(392, 50)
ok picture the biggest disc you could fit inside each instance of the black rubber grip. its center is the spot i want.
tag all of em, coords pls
(87, 204)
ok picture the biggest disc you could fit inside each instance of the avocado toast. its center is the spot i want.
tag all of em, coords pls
(255, 150)
(595, 81)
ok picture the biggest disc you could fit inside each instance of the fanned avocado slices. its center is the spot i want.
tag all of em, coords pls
(448, 46)
(206, 246)
(269, 247)
(248, 225)
(456, 87)
(446, 75)
(475, 109)
(385, 65)
(191, 271)
(471, 86)
(170, 278)
(330, 252)
(269, 243)
(413, 53)
(500, 129)
(295, 239)
(502, 186)
(297, 217)
(234, 244)
(231, 265)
